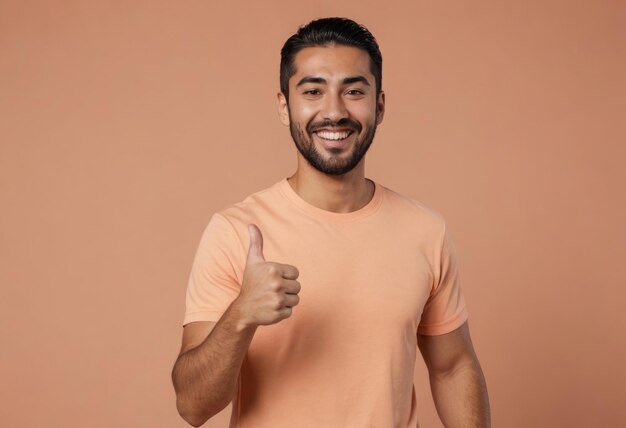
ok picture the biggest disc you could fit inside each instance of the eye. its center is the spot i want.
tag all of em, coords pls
(312, 92)
(354, 92)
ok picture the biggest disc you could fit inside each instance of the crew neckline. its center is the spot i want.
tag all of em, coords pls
(285, 188)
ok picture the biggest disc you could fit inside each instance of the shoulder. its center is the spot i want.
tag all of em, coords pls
(232, 220)
(250, 207)
(414, 210)
(226, 232)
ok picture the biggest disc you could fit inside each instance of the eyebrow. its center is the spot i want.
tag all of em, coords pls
(321, 80)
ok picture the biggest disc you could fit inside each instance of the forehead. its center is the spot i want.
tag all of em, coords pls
(332, 61)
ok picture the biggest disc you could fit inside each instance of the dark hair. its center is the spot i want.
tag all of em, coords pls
(325, 32)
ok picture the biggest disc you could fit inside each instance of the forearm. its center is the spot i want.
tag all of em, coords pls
(205, 377)
(461, 397)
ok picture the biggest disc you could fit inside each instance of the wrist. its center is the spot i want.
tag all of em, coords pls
(242, 323)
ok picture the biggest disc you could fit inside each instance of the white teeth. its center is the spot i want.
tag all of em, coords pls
(327, 135)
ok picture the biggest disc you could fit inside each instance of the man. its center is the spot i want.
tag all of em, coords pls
(308, 300)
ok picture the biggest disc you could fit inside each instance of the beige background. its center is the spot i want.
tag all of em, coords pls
(124, 125)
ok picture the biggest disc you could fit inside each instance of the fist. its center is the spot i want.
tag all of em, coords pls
(269, 290)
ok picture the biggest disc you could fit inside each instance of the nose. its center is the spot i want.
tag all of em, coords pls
(334, 108)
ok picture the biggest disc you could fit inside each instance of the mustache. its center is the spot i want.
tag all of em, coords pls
(343, 123)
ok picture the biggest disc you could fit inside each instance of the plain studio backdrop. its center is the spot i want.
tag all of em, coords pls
(125, 125)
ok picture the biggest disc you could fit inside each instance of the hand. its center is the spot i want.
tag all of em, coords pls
(269, 290)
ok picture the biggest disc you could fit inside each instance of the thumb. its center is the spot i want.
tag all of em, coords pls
(255, 250)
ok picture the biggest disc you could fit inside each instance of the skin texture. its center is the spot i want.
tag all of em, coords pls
(331, 88)
(456, 379)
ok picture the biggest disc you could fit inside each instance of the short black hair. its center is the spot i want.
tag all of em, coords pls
(327, 32)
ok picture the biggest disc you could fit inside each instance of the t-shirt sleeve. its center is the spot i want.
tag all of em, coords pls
(213, 284)
(445, 308)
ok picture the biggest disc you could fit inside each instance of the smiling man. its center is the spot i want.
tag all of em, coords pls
(308, 300)
(346, 127)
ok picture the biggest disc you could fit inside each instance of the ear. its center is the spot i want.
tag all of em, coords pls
(283, 110)
(380, 107)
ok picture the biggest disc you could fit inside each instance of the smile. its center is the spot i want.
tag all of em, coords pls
(333, 136)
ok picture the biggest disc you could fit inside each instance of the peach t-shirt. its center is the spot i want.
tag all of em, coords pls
(371, 279)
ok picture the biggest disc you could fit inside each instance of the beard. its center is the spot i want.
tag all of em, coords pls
(334, 164)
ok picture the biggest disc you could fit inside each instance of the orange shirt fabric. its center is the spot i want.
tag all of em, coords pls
(371, 279)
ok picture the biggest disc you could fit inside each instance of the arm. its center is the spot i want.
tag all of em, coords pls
(205, 373)
(456, 379)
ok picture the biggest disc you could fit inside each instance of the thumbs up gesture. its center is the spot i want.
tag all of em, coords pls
(269, 290)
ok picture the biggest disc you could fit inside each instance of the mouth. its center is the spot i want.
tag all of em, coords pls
(334, 139)
(333, 135)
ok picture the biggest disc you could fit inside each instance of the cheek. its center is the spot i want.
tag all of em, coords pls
(306, 118)
(363, 111)
(366, 117)
(307, 111)
(302, 113)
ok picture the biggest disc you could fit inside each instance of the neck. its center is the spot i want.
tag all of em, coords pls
(336, 193)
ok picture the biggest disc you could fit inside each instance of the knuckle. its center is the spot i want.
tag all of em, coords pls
(275, 284)
(272, 269)
(279, 302)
